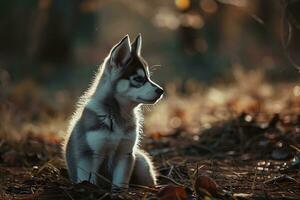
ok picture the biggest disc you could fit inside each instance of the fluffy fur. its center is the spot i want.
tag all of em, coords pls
(102, 141)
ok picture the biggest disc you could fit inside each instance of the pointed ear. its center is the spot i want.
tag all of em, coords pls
(137, 44)
(121, 52)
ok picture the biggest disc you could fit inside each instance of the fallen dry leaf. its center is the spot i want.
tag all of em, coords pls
(204, 182)
(172, 192)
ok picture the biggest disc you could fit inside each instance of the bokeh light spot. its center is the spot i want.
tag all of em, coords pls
(296, 91)
(209, 6)
(182, 4)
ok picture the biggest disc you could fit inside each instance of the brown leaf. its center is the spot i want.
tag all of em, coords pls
(172, 192)
(205, 183)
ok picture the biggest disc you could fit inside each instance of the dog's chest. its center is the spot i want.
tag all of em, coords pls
(108, 141)
(105, 135)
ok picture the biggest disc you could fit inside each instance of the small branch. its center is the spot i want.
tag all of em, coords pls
(170, 179)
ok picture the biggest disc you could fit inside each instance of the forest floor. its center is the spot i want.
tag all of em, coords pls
(227, 141)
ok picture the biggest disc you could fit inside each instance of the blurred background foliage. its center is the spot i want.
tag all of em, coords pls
(230, 69)
(59, 43)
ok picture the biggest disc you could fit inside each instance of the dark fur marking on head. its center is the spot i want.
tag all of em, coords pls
(135, 63)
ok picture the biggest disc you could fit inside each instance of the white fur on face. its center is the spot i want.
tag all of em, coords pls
(122, 86)
(114, 73)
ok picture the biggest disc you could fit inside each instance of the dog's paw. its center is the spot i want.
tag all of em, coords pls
(117, 191)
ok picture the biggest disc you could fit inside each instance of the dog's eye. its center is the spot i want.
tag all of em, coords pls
(139, 79)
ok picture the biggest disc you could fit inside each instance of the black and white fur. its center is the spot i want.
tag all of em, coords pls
(102, 141)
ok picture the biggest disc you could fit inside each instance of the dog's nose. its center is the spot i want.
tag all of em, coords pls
(159, 91)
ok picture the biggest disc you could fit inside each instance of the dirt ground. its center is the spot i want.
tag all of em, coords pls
(227, 141)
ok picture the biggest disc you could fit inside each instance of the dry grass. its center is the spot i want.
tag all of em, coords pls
(229, 132)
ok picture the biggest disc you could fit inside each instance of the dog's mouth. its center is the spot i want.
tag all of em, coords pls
(145, 100)
(149, 100)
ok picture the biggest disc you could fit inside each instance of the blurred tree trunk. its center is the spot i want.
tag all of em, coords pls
(188, 35)
(14, 20)
(53, 31)
(58, 26)
(291, 31)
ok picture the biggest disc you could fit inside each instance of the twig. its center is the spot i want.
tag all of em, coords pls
(105, 179)
(197, 170)
(280, 178)
(178, 174)
(296, 148)
(68, 194)
(105, 195)
(100, 176)
(144, 187)
(254, 180)
(170, 179)
(170, 171)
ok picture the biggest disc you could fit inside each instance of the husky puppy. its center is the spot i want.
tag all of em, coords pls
(102, 141)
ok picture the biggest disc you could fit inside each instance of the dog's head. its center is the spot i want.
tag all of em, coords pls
(130, 74)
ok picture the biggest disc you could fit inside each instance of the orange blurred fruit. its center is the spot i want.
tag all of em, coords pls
(182, 4)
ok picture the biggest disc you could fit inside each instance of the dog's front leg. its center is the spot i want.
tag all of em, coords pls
(88, 168)
(122, 172)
